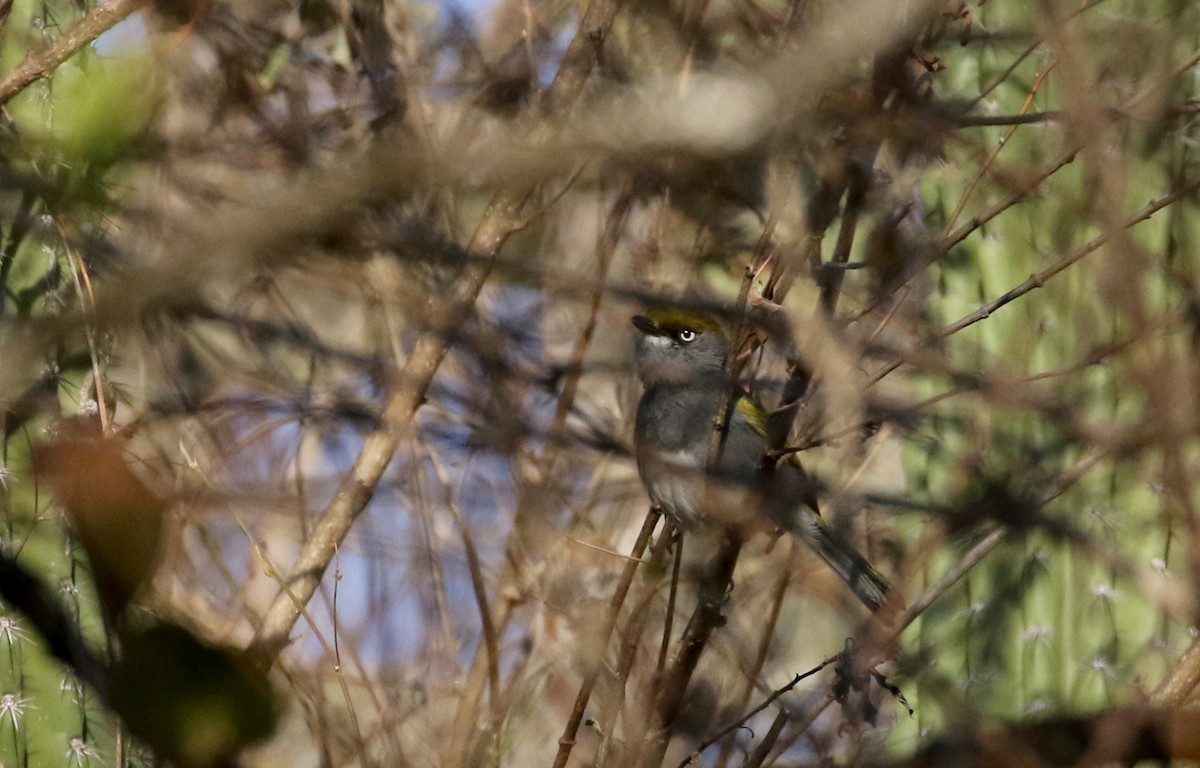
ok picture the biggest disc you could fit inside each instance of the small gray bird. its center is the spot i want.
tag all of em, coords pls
(680, 358)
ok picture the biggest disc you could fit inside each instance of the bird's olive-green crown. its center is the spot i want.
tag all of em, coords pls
(671, 319)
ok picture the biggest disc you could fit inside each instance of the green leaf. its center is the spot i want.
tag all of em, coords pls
(193, 703)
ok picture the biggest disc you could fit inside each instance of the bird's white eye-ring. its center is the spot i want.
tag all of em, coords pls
(687, 335)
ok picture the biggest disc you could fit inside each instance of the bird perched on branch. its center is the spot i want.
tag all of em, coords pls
(701, 446)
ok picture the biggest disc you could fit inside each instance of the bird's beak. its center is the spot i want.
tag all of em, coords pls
(645, 325)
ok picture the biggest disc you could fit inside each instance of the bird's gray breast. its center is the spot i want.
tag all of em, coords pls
(671, 436)
(674, 431)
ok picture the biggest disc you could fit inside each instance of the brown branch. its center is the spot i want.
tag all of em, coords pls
(991, 158)
(40, 64)
(960, 234)
(887, 637)
(372, 46)
(577, 64)
(491, 642)
(501, 218)
(1025, 54)
(566, 742)
(521, 542)
(779, 593)
(407, 395)
(1183, 678)
(706, 618)
(1022, 118)
(761, 754)
(951, 577)
(607, 245)
(1006, 73)
(832, 274)
(670, 540)
(741, 721)
(1039, 279)
(672, 598)
(763, 750)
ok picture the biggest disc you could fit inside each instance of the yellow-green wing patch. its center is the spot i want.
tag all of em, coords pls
(754, 413)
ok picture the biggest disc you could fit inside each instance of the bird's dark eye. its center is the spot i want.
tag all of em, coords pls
(687, 335)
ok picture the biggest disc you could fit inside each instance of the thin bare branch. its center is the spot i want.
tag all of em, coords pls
(41, 64)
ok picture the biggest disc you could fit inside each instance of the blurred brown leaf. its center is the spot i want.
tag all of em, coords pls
(117, 518)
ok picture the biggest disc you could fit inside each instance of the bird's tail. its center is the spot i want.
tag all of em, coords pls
(862, 578)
